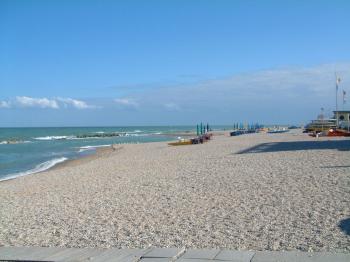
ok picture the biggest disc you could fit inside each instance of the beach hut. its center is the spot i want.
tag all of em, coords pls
(343, 118)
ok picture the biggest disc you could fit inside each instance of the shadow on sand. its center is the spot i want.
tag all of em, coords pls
(344, 225)
(342, 145)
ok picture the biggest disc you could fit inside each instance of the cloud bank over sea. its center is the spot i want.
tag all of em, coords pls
(54, 103)
(281, 95)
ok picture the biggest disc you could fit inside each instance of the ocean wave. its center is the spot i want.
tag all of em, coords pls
(54, 137)
(85, 148)
(128, 134)
(12, 142)
(131, 134)
(39, 168)
(96, 135)
(108, 135)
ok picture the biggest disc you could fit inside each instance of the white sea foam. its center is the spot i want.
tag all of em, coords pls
(12, 142)
(54, 137)
(39, 168)
(87, 147)
(84, 148)
(133, 134)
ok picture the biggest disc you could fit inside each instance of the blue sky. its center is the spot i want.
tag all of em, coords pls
(68, 63)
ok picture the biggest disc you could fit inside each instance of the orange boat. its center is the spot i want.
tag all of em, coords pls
(338, 132)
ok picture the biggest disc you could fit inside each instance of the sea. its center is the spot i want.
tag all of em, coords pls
(25, 151)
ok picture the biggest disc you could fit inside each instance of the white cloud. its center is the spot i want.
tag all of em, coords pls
(256, 89)
(79, 104)
(5, 104)
(126, 102)
(274, 95)
(25, 101)
(270, 96)
(54, 103)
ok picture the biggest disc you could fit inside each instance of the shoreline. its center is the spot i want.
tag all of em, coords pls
(96, 152)
(99, 151)
(103, 151)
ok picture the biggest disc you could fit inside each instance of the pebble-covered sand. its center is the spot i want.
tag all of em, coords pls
(232, 192)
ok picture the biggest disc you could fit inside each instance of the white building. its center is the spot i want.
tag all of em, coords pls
(343, 118)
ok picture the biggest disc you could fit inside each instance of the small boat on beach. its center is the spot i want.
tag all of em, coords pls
(277, 130)
(236, 133)
(193, 141)
(180, 143)
(331, 133)
(338, 132)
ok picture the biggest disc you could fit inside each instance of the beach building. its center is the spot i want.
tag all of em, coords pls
(343, 118)
(321, 124)
(340, 120)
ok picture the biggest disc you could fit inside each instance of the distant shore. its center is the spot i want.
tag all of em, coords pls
(257, 191)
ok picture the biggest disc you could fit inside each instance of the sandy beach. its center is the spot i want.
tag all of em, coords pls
(251, 192)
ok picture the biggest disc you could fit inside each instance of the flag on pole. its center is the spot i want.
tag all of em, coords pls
(337, 82)
(344, 100)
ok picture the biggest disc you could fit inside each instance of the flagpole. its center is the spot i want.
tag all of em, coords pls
(344, 101)
(336, 97)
